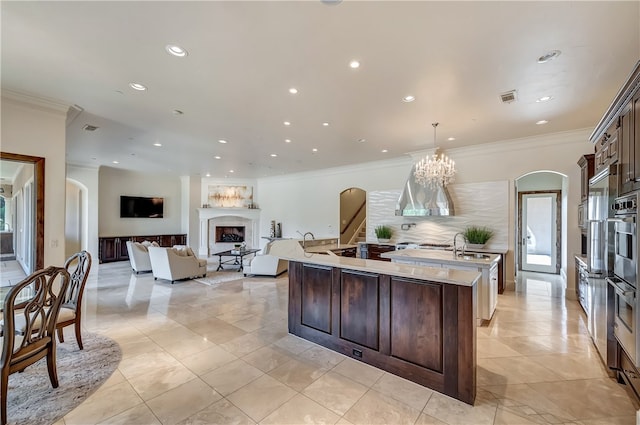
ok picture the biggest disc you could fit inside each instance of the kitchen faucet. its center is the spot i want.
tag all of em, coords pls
(455, 246)
(304, 238)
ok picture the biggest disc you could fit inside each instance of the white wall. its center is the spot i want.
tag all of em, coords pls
(310, 201)
(114, 182)
(36, 127)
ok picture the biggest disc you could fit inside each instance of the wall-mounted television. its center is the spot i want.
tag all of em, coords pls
(141, 207)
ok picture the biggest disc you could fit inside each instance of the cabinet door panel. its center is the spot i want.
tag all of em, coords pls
(316, 297)
(359, 300)
(416, 323)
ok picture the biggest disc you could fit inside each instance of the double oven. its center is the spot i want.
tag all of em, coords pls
(623, 281)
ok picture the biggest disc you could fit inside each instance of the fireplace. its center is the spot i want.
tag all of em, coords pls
(230, 233)
(243, 221)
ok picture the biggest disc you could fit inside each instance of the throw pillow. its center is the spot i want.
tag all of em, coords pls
(181, 250)
(142, 246)
(154, 243)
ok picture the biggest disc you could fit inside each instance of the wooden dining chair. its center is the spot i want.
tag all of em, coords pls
(78, 266)
(30, 311)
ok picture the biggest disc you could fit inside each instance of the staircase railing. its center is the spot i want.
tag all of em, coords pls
(348, 228)
(356, 234)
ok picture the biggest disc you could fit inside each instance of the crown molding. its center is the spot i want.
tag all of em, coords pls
(39, 102)
(580, 136)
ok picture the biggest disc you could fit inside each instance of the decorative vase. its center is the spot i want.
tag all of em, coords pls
(475, 245)
(381, 240)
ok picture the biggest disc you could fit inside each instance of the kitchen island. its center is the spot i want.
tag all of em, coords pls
(415, 322)
(485, 264)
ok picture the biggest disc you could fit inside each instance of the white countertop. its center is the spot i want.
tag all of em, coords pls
(440, 257)
(291, 250)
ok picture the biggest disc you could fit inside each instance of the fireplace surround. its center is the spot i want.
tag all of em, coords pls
(232, 219)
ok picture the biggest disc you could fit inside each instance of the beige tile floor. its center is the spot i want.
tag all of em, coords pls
(196, 354)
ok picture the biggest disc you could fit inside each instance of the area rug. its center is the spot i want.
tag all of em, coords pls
(31, 399)
(215, 278)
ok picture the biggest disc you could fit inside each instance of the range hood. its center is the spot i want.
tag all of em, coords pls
(419, 201)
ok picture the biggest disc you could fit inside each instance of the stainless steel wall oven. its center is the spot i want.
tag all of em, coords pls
(625, 314)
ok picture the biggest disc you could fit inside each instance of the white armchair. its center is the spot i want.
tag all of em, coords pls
(138, 257)
(265, 264)
(176, 263)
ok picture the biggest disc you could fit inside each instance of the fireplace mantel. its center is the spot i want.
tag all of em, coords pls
(207, 213)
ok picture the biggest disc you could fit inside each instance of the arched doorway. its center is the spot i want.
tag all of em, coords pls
(541, 221)
(353, 215)
(76, 217)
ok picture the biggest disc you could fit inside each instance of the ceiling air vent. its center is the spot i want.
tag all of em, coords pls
(89, 127)
(508, 97)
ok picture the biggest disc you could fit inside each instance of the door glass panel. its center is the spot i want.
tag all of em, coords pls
(539, 231)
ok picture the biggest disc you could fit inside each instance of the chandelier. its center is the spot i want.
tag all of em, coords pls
(435, 170)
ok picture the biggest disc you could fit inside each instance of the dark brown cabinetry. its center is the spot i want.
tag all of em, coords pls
(114, 248)
(606, 149)
(587, 168)
(586, 163)
(617, 135)
(374, 251)
(421, 330)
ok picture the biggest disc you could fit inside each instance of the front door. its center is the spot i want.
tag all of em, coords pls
(539, 232)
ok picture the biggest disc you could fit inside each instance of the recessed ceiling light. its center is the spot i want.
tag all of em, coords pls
(116, 162)
(177, 112)
(287, 140)
(138, 86)
(287, 123)
(314, 150)
(362, 140)
(273, 155)
(549, 56)
(293, 90)
(408, 98)
(325, 124)
(385, 150)
(176, 50)
(354, 64)
(451, 139)
(222, 141)
(231, 171)
(208, 175)
(544, 99)
(217, 157)
(157, 144)
(541, 122)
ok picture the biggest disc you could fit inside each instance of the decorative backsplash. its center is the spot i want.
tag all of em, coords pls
(481, 204)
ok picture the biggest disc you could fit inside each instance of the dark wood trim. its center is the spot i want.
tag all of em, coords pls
(624, 95)
(38, 183)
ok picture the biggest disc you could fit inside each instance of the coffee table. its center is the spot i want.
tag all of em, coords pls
(237, 257)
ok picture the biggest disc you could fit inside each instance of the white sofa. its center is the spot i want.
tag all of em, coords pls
(265, 264)
(139, 256)
(178, 262)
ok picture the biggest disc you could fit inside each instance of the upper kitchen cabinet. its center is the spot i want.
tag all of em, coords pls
(586, 172)
(617, 135)
(607, 148)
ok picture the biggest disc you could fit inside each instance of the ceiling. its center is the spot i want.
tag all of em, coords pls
(456, 58)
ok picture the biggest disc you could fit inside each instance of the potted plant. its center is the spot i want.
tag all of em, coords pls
(383, 233)
(477, 236)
